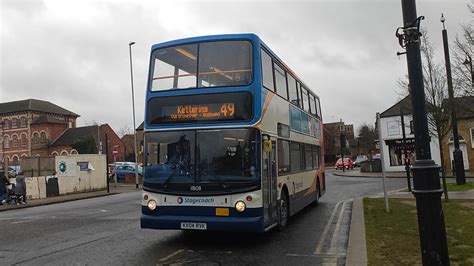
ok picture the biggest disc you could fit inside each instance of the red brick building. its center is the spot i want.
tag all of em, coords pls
(39, 128)
(89, 140)
(29, 126)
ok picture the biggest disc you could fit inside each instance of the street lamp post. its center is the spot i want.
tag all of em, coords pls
(457, 153)
(133, 109)
(426, 184)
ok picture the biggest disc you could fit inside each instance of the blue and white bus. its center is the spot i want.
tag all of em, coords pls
(232, 137)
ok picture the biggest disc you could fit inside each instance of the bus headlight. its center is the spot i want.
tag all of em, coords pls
(240, 206)
(152, 205)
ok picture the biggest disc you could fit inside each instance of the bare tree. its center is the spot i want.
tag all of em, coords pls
(436, 91)
(125, 130)
(366, 137)
(462, 60)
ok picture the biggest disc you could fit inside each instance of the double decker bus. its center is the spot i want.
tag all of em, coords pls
(232, 137)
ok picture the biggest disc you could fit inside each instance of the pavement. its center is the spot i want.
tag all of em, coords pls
(356, 248)
(120, 188)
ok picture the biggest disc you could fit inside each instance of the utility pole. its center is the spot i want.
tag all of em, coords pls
(133, 108)
(107, 162)
(457, 153)
(405, 152)
(426, 185)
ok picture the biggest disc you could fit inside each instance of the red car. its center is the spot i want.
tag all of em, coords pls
(347, 163)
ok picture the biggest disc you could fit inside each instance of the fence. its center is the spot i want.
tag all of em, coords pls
(37, 166)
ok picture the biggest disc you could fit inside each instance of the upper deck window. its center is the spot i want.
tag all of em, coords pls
(293, 91)
(280, 81)
(267, 71)
(209, 64)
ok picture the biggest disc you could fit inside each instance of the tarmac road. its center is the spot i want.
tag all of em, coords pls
(106, 230)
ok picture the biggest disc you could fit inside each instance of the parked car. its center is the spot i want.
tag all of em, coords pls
(122, 171)
(12, 171)
(347, 164)
(359, 160)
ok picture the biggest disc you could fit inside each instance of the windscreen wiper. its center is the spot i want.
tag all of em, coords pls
(221, 181)
(165, 184)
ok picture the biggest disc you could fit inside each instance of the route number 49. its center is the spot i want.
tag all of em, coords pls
(227, 109)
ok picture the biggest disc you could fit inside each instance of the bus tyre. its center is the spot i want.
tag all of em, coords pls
(283, 212)
(318, 194)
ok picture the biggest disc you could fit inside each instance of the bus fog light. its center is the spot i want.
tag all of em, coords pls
(240, 206)
(152, 205)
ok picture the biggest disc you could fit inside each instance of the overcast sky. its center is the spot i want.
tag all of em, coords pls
(75, 53)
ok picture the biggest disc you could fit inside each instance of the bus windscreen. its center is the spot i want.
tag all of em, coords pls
(201, 65)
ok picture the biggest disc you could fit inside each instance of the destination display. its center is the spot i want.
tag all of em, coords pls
(235, 106)
(200, 112)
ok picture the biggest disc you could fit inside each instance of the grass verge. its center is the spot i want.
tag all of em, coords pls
(453, 187)
(466, 187)
(392, 238)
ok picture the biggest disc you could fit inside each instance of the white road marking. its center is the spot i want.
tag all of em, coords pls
(319, 247)
(24, 221)
(171, 255)
(335, 235)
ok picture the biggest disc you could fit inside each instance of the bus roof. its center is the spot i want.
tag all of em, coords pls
(222, 37)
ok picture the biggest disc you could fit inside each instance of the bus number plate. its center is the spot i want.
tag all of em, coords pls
(193, 226)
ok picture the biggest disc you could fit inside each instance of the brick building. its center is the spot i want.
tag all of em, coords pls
(29, 126)
(465, 118)
(332, 141)
(39, 128)
(89, 140)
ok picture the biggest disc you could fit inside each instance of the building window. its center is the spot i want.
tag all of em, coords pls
(23, 121)
(36, 138)
(14, 123)
(54, 153)
(64, 152)
(412, 127)
(15, 159)
(472, 137)
(396, 151)
(15, 141)
(24, 140)
(6, 143)
(267, 71)
(43, 137)
(6, 123)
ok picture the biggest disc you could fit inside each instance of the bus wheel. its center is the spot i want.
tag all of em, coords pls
(283, 212)
(318, 194)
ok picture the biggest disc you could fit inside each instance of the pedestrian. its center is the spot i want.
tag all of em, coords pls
(4, 182)
(20, 189)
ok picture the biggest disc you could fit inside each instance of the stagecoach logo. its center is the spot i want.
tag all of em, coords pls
(193, 201)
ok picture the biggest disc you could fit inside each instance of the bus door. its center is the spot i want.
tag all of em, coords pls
(269, 178)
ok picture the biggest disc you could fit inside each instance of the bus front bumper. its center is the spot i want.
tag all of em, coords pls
(173, 222)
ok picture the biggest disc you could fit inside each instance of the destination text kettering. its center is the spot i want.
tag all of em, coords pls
(210, 111)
